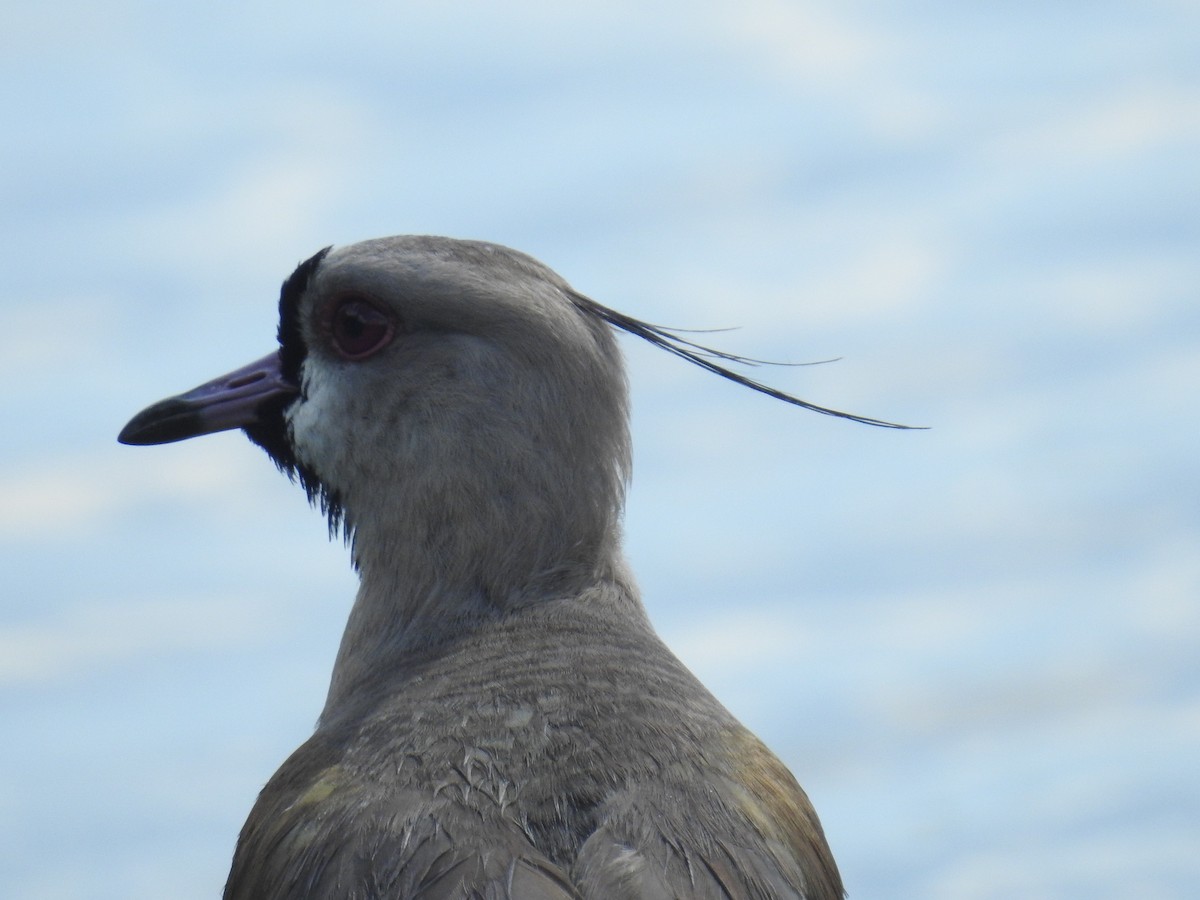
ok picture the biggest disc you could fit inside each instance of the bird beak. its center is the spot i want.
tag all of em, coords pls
(231, 401)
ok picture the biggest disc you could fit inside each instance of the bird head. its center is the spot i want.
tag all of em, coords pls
(448, 404)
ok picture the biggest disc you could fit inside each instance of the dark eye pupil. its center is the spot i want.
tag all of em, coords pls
(359, 329)
(352, 325)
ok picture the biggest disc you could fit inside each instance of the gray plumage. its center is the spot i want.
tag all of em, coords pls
(502, 720)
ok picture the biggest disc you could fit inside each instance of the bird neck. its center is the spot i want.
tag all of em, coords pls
(425, 587)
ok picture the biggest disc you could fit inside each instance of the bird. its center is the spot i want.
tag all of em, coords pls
(502, 720)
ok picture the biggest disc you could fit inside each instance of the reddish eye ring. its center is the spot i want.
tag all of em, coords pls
(358, 328)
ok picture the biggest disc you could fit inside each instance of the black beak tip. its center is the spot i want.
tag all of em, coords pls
(163, 423)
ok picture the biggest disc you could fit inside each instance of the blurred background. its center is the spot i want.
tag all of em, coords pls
(977, 646)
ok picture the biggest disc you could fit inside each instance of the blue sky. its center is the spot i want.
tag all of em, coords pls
(977, 646)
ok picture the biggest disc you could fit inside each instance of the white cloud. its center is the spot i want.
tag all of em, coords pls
(1109, 865)
(827, 53)
(55, 497)
(57, 335)
(1113, 127)
(798, 40)
(1113, 296)
(267, 207)
(97, 633)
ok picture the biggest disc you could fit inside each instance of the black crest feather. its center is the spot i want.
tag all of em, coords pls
(707, 358)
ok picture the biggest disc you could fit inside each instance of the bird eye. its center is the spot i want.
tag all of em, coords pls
(359, 329)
